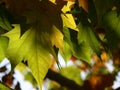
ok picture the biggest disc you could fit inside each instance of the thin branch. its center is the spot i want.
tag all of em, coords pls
(63, 80)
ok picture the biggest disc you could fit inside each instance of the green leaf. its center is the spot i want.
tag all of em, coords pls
(3, 87)
(14, 43)
(87, 35)
(34, 47)
(3, 46)
(72, 73)
(66, 52)
(111, 22)
(83, 52)
(67, 36)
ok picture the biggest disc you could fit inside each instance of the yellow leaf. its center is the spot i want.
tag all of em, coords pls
(3, 46)
(53, 1)
(56, 37)
(68, 19)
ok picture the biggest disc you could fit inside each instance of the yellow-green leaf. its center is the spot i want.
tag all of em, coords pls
(56, 37)
(33, 47)
(83, 52)
(3, 87)
(3, 46)
(86, 34)
(66, 52)
(72, 73)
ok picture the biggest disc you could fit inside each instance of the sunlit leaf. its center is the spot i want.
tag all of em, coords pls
(87, 35)
(3, 46)
(22, 68)
(53, 1)
(33, 47)
(67, 36)
(66, 52)
(81, 50)
(72, 73)
(45, 31)
(68, 19)
(13, 44)
(56, 37)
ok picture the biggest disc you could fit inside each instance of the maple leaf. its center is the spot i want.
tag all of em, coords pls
(87, 34)
(33, 47)
(35, 44)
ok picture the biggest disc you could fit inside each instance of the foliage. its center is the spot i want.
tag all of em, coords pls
(36, 31)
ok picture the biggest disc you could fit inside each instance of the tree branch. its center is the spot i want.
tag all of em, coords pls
(63, 80)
